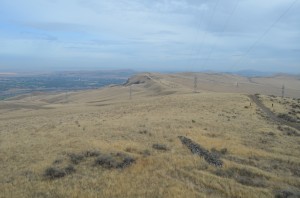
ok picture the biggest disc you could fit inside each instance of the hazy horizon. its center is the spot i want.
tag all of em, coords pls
(171, 35)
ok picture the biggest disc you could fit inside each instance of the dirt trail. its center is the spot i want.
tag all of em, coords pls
(272, 115)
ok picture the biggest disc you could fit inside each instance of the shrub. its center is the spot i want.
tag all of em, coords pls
(143, 131)
(106, 161)
(76, 158)
(161, 147)
(284, 194)
(286, 117)
(92, 153)
(242, 176)
(53, 173)
(271, 133)
(118, 161)
(69, 169)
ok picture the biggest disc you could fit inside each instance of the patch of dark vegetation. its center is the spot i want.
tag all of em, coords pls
(195, 148)
(109, 161)
(263, 141)
(271, 133)
(69, 169)
(54, 172)
(114, 161)
(286, 194)
(286, 117)
(193, 121)
(76, 158)
(243, 176)
(288, 131)
(91, 153)
(295, 106)
(295, 171)
(160, 147)
(262, 114)
(77, 123)
(286, 166)
(145, 132)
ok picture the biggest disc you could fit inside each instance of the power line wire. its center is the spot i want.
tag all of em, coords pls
(265, 32)
(223, 30)
(197, 35)
(207, 28)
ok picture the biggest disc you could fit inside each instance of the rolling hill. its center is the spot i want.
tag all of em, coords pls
(165, 141)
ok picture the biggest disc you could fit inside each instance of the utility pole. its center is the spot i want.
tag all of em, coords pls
(282, 91)
(195, 84)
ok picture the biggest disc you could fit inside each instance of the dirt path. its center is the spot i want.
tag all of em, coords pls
(272, 115)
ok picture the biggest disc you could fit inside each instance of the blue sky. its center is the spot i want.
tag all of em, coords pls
(151, 35)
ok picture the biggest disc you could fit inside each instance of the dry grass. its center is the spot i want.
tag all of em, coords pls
(259, 159)
(286, 108)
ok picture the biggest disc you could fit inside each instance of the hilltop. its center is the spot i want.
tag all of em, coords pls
(167, 140)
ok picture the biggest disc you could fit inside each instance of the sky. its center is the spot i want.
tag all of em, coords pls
(150, 35)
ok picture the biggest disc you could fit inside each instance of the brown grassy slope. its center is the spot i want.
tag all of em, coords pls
(260, 160)
(218, 82)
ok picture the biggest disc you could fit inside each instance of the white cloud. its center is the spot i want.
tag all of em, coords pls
(162, 30)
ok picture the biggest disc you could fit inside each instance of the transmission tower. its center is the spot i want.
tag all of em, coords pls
(195, 84)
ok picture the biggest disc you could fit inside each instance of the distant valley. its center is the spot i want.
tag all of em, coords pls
(13, 84)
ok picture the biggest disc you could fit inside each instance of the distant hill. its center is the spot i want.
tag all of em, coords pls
(252, 73)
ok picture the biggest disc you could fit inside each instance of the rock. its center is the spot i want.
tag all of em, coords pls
(195, 148)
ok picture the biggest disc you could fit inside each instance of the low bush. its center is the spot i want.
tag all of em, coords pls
(116, 161)
(92, 153)
(243, 176)
(161, 147)
(52, 173)
(76, 158)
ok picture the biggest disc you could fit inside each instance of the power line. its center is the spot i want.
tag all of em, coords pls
(223, 30)
(209, 23)
(266, 32)
(197, 35)
(207, 27)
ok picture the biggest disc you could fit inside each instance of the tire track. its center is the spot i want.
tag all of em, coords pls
(272, 115)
